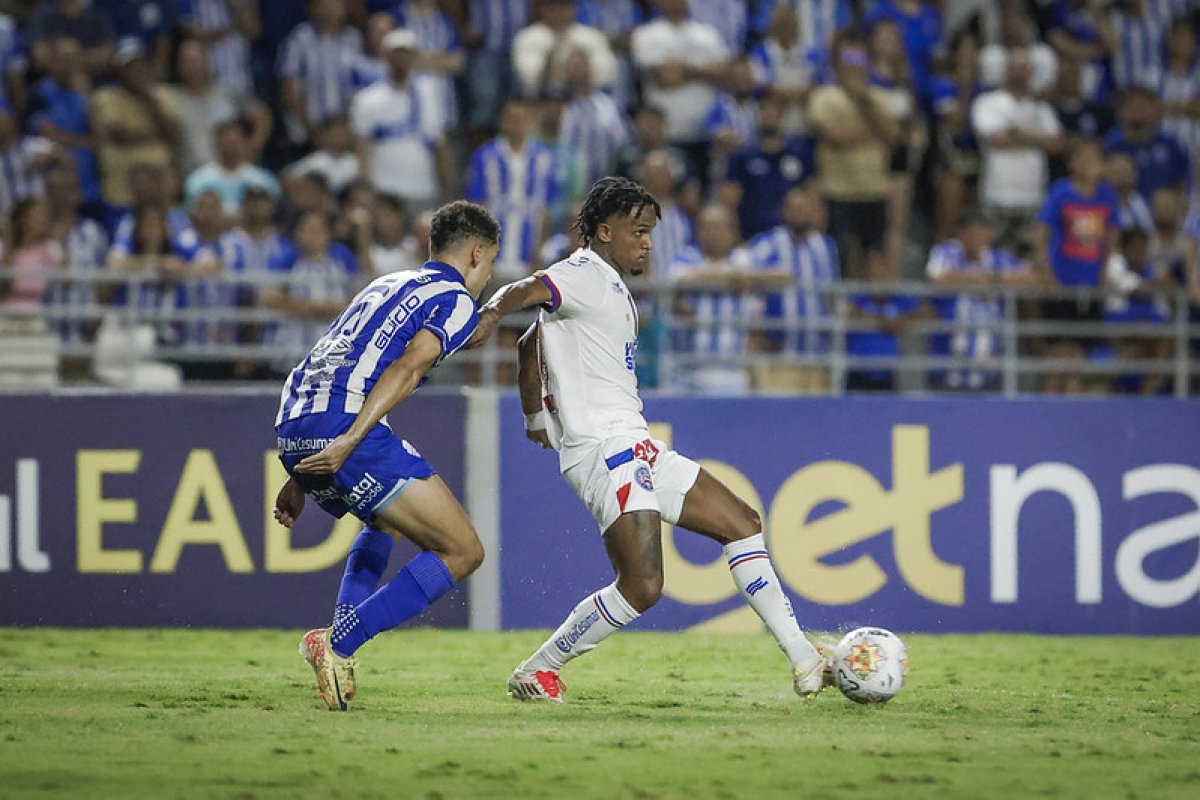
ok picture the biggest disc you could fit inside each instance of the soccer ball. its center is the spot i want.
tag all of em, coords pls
(869, 665)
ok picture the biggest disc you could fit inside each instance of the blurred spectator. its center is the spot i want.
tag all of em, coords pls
(650, 133)
(890, 72)
(1132, 34)
(1018, 32)
(13, 64)
(820, 20)
(202, 105)
(355, 208)
(1180, 87)
(729, 17)
(716, 298)
(886, 316)
(74, 19)
(231, 172)
(1161, 160)
(800, 250)
(151, 257)
(680, 62)
(319, 276)
(920, 27)
(58, 111)
(35, 260)
(22, 158)
(85, 246)
(150, 186)
(442, 56)
(370, 67)
(1133, 211)
(316, 66)
(253, 247)
(204, 295)
(1016, 132)
(386, 248)
(1076, 233)
(1074, 36)
(514, 176)
(490, 29)
(226, 28)
(970, 261)
(335, 159)
(948, 98)
(785, 69)
(134, 122)
(674, 231)
(150, 21)
(1078, 116)
(399, 126)
(540, 51)
(616, 19)
(303, 193)
(759, 176)
(856, 131)
(592, 126)
(732, 121)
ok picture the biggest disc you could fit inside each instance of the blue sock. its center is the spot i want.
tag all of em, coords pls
(364, 567)
(421, 581)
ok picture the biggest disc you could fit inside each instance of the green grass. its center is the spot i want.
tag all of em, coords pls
(157, 714)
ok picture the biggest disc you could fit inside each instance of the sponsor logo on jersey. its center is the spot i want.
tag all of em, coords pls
(365, 490)
(631, 356)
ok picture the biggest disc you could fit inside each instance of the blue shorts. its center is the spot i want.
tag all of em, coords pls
(374, 475)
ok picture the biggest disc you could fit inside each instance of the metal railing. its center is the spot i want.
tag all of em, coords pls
(72, 314)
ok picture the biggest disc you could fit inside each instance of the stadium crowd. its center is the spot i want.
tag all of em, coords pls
(272, 157)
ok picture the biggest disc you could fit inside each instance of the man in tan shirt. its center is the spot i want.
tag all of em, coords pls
(855, 135)
(135, 122)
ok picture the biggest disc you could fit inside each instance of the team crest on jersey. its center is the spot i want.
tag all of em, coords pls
(618, 288)
(642, 476)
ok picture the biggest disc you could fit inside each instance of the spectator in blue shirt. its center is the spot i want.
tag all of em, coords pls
(151, 21)
(759, 176)
(884, 317)
(1162, 162)
(920, 27)
(58, 111)
(732, 121)
(1077, 231)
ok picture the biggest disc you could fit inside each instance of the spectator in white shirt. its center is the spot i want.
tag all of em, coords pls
(399, 124)
(1018, 32)
(540, 51)
(681, 62)
(335, 159)
(1016, 132)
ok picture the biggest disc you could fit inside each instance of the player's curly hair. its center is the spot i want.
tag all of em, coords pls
(611, 196)
(459, 221)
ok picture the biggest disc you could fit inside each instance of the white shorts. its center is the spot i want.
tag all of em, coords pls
(624, 474)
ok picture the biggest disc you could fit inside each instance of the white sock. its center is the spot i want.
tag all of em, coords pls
(750, 565)
(595, 618)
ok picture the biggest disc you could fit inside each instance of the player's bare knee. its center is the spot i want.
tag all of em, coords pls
(641, 591)
(464, 555)
(746, 522)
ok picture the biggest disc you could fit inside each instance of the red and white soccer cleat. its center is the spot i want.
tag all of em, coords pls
(541, 685)
(331, 669)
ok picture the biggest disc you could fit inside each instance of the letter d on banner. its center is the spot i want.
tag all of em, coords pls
(278, 553)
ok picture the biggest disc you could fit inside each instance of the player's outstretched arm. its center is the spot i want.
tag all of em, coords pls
(394, 386)
(515, 296)
(529, 384)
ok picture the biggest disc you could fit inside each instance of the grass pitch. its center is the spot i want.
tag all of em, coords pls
(156, 714)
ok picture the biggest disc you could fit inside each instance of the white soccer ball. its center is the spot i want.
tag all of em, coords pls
(869, 665)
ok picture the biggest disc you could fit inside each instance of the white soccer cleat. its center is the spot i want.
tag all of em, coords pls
(808, 681)
(541, 685)
(332, 671)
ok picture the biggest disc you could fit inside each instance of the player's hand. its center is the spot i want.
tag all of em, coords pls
(489, 318)
(330, 459)
(289, 503)
(539, 437)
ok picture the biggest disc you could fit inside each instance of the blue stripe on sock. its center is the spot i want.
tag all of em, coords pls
(608, 617)
(740, 556)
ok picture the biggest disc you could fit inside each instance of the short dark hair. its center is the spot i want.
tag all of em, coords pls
(459, 221)
(611, 196)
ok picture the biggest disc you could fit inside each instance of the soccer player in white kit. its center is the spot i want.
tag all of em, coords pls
(579, 393)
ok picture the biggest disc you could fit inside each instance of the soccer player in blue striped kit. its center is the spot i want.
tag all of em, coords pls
(336, 444)
(579, 393)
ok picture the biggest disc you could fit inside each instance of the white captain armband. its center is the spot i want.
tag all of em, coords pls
(536, 421)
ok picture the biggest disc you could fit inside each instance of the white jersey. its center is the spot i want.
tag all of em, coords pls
(588, 351)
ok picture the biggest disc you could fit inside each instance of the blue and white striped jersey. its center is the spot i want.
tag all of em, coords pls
(813, 263)
(593, 129)
(1139, 56)
(518, 187)
(325, 65)
(86, 249)
(727, 114)
(498, 21)
(372, 333)
(18, 179)
(819, 19)
(436, 34)
(1183, 88)
(718, 318)
(672, 234)
(12, 53)
(729, 17)
(228, 57)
